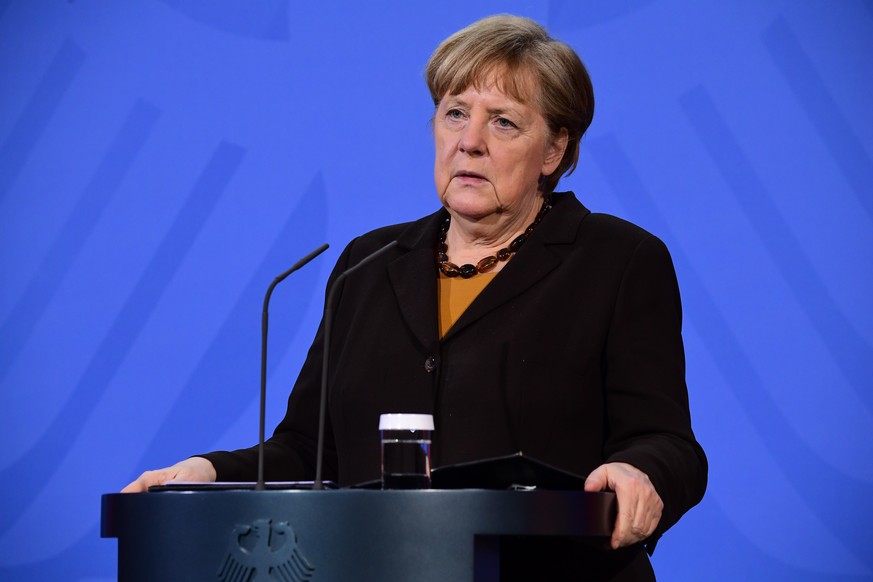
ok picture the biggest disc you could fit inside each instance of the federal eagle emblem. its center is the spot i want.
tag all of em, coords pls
(264, 552)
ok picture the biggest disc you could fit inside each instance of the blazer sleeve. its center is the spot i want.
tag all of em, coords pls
(648, 418)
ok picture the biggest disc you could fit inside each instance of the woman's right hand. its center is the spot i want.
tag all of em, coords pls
(194, 469)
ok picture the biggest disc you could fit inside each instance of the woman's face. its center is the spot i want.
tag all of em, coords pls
(490, 153)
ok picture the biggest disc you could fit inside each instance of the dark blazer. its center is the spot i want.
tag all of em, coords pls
(573, 354)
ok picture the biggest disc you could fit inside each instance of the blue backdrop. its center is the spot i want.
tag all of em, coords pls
(162, 160)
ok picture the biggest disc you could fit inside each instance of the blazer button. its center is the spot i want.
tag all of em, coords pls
(430, 364)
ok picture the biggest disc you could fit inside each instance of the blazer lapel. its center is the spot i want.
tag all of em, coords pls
(413, 278)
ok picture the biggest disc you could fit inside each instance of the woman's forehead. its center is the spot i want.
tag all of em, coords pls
(515, 82)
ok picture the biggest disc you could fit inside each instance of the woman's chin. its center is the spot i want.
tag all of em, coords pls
(471, 206)
(472, 214)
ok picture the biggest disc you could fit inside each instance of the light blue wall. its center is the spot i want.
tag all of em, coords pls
(161, 161)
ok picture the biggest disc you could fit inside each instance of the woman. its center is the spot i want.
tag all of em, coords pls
(516, 317)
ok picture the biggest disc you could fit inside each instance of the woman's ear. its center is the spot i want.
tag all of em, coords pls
(555, 151)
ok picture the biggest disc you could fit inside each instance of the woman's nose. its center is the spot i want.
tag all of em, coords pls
(473, 140)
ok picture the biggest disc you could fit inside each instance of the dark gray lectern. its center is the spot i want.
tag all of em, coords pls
(341, 535)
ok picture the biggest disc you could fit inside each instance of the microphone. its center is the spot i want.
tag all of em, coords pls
(264, 318)
(328, 322)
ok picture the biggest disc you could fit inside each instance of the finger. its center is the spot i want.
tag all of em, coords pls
(597, 480)
(655, 508)
(146, 480)
(649, 508)
(136, 486)
(646, 514)
(633, 511)
(637, 528)
(133, 487)
(623, 521)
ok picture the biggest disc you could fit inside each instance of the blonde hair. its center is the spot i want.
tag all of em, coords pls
(528, 65)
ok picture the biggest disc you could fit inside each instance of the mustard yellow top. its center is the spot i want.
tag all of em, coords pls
(456, 295)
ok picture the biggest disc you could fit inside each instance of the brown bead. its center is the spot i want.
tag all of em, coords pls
(450, 269)
(503, 254)
(486, 264)
(516, 244)
(467, 271)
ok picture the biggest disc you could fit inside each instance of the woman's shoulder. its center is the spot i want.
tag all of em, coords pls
(407, 234)
(601, 228)
(608, 225)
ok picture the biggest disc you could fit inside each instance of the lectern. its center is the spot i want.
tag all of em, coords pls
(338, 535)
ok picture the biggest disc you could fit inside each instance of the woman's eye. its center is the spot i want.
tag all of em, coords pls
(454, 114)
(505, 123)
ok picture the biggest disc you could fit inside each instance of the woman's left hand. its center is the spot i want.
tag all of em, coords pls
(639, 505)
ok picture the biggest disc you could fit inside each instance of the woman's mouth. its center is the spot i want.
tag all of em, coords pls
(469, 176)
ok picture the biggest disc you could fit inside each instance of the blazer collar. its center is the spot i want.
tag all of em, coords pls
(413, 275)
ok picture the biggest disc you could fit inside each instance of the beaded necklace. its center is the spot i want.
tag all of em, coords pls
(450, 269)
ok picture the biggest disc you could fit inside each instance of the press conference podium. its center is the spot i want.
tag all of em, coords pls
(338, 535)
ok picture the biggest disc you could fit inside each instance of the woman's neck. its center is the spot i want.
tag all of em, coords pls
(469, 241)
